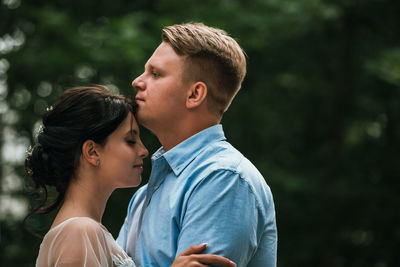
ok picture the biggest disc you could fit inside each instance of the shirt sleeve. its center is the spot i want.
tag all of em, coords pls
(123, 232)
(223, 212)
(80, 243)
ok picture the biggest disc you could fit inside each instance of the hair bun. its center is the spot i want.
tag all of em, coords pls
(38, 166)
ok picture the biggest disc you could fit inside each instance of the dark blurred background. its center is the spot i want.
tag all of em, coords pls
(318, 112)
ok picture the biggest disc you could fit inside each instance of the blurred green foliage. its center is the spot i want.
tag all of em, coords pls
(318, 112)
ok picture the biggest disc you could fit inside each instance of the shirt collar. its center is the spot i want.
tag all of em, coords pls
(182, 154)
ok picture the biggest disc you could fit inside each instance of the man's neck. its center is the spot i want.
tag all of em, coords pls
(173, 137)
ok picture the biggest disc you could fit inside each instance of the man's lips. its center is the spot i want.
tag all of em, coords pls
(139, 99)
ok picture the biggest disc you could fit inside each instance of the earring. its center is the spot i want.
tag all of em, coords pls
(98, 162)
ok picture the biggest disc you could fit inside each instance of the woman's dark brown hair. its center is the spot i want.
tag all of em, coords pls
(79, 114)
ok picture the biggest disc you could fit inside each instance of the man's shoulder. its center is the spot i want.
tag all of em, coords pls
(223, 165)
(221, 155)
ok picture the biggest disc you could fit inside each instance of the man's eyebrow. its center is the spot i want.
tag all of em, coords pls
(148, 65)
(151, 66)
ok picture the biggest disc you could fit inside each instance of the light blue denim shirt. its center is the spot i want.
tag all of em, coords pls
(202, 190)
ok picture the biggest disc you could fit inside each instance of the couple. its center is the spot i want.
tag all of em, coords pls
(201, 190)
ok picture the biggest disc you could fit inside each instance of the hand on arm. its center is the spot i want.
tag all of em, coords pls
(191, 258)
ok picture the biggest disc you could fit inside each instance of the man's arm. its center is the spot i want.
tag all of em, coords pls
(222, 211)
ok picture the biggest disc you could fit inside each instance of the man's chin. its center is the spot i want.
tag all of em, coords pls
(141, 119)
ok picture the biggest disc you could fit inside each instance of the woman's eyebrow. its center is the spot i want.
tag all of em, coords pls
(132, 132)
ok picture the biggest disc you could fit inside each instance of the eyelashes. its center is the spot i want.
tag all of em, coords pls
(131, 142)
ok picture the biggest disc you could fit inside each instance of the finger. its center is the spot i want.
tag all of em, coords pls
(194, 249)
(214, 259)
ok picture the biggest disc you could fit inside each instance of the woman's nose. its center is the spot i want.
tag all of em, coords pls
(144, 153)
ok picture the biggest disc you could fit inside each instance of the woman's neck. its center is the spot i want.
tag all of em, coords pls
(85, 197)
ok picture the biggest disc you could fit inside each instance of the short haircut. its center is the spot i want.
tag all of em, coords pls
(211, 56)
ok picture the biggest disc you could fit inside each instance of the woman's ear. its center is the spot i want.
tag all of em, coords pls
(196, 95)
(90, 152)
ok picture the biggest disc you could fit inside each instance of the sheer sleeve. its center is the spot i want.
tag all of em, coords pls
(78, 242)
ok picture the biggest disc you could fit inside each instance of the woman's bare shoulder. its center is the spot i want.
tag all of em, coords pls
(77, 225)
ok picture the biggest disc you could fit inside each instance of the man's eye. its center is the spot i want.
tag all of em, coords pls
(131, 142)
(155, 74)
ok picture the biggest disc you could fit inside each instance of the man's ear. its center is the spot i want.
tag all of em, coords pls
(196, 95)
(90, 152)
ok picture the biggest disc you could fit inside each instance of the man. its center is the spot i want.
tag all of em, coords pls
(201, 189)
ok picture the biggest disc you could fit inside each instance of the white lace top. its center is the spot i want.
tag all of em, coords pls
(81, 241)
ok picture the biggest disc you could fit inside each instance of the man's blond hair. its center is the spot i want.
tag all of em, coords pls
(211, 56)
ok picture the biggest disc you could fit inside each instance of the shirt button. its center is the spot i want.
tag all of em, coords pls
(155, 187)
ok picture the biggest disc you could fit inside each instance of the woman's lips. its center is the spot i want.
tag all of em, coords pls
(140, 166)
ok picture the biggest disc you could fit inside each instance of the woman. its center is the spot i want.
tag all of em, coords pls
(89, 145)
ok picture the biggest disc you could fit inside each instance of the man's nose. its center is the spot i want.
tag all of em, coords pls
(139, 84)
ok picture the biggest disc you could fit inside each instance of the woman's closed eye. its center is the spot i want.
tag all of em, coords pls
(131, 142)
